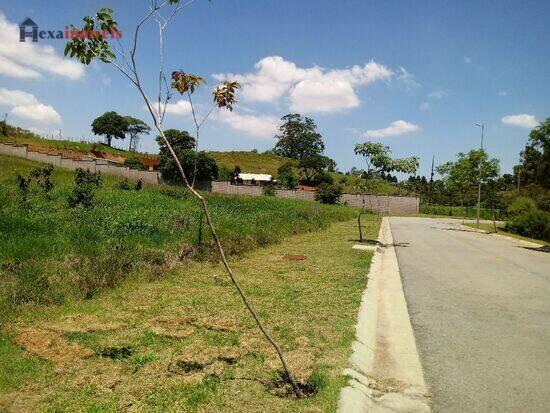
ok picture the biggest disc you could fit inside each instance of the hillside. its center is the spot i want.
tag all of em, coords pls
(249, 161)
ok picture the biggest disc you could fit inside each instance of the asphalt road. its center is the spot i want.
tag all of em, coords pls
(480, 311)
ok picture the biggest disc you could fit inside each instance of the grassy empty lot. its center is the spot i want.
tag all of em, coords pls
(50, 252)
(181, 341)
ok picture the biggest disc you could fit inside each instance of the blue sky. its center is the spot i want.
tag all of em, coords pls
(413, 75)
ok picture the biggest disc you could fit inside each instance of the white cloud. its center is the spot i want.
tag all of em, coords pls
(503, 93)
(25, 106)
(181, 107)
(312, 89)
(424, 106)
(262, 126)
(398, 127)
(467, 59)
(522, 120)
(38, 113)
(438, 94)
(27, 60)
(407, 79)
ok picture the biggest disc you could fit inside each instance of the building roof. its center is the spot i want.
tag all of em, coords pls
(256, 177)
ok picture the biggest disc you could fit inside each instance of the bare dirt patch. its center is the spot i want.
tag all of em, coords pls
(172, 327)
(51, 346)
(81, 323)
(294, 257)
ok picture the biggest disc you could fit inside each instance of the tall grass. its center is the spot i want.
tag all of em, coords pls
(49, 252)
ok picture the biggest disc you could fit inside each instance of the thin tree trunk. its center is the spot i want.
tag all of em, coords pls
(494, 222)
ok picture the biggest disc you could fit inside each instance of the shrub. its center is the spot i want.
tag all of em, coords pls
(285, 176)
(328, 193)
(324, 178)
(139, 185)
(23, 185)
(269, 189)
(520, 205)
(43, 177)
(83, 190)
(531, 223)
(124, 185)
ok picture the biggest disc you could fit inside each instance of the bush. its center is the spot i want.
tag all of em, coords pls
(328, 193)
(324, 178)
(520, 205)
(43, 177)
(124, 185)
(83, 190)
(531, 223)
(269, 189)
(139, 185)
(285, 176)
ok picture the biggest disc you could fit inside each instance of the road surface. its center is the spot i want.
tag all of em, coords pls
(480, 311)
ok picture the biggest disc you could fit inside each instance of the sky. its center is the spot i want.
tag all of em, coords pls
(415, 76)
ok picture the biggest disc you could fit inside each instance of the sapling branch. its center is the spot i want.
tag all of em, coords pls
(224, 96)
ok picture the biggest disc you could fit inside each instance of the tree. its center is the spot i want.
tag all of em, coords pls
(462, 176)
(379, 160)
(312, 166)
(298, 138)
(88, 48)
(111, 125)
(535, 158)
(135, 128)
(286, 177)
(197, 166)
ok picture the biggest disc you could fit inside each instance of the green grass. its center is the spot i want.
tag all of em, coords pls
(458, 211)
(489, 228)
(16, 366)
(310, 306)
(50, 252)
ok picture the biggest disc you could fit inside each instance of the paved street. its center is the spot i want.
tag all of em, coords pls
(480, 311)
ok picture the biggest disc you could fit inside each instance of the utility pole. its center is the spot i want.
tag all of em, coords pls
(482, 126)
(432, 179)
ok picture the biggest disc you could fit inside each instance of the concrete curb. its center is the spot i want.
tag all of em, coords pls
(521, 241)
(385, 373)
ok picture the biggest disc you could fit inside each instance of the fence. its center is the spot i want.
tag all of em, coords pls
(93, 165)
(384, 204)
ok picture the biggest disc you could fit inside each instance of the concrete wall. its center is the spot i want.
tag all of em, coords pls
(384, 204)
(91, 164)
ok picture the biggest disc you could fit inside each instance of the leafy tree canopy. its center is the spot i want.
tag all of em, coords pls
(111, 125)
(298, 138)
(379, 160)
(535, 158)
(135, 128)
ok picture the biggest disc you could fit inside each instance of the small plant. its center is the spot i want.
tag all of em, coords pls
(83, 191)
(139, 185)
(269, 189)
(23, 186)
(43, 177)
(328, 193)
(124, 185)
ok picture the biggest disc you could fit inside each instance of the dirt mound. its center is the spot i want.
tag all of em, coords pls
(204, 361)
(51, 346)
(220, 324)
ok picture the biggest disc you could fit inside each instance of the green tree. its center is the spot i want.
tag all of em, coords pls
(298, 138)
(197, 165)
(136, 127)
(111, 125)
(312, 166)
(535, 158)
(286, 177)
(379, 160)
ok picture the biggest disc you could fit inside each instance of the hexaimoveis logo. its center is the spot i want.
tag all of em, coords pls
(29, 29)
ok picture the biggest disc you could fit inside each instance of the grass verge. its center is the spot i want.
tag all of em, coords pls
(489, 228)
(185, 343)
